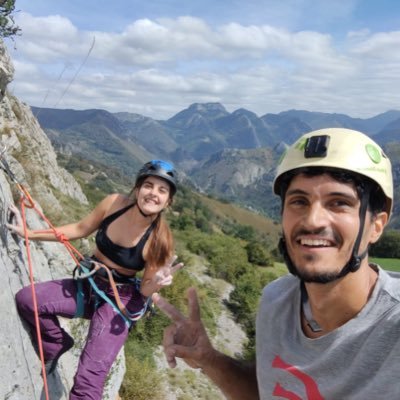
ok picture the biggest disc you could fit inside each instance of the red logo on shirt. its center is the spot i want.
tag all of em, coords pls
(310, 385)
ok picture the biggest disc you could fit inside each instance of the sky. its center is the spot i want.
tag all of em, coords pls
(157, 57)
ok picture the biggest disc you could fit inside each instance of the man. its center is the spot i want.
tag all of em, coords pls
(330, 329)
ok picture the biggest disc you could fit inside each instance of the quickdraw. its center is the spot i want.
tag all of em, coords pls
(25, 196)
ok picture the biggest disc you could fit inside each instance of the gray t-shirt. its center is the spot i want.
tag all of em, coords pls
(358, 361)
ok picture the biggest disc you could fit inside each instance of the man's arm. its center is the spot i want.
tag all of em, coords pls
(187, 338)
(236, 379)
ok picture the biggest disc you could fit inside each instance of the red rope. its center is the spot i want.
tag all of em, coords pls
(26, 201)
(35, 307)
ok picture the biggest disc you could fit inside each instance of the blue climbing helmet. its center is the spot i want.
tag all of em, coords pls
(161, 169)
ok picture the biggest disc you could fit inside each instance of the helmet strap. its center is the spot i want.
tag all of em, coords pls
(148, 215)
(141, 212)
(288, 261)
(355, 260)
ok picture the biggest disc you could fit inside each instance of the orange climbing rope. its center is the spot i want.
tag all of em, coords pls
(26, 201)
(35, 307)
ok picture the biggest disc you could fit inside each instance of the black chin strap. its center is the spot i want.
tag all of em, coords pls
(148, 215)
(354, 262)
(141, 212)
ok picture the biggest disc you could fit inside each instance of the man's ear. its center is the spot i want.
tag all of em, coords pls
(378, 225)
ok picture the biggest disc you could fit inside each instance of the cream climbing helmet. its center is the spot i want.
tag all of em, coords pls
(343, 149)
(339, 149)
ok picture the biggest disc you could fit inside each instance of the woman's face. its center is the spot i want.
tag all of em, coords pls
(153, 195)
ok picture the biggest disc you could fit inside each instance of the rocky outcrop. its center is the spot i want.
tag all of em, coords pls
(33, 161)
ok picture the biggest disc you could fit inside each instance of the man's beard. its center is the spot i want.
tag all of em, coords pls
(315, 277)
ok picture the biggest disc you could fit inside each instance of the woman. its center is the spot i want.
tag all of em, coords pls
(131, 236)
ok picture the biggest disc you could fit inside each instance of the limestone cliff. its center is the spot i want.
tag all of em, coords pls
(34, 163)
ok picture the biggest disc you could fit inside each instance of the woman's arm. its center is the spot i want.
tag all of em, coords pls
(76, 230)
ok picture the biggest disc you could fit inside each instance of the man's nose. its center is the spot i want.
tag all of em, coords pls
(316, 216)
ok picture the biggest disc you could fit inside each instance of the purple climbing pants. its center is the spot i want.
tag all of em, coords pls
(107, 332)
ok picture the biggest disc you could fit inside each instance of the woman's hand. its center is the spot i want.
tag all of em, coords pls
(163, 276)
(14, 215)
(155, 279)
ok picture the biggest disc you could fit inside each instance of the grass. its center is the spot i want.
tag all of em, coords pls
(390, 264)
(242, 216)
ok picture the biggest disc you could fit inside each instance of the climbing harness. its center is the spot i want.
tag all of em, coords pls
(86, 268)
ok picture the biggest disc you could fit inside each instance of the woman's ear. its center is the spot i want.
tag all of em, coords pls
(378, 225)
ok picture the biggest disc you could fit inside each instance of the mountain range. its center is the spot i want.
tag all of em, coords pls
(231, 155)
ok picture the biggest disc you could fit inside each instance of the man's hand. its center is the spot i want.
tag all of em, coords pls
(186, 338)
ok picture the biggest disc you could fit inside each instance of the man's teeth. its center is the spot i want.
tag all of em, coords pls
(315, 242)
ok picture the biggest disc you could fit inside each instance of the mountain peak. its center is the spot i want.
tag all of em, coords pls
(207, 107)
(211, 111)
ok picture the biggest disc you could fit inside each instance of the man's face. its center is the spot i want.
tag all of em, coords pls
(320, 223)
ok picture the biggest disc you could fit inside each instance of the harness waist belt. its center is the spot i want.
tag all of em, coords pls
(118, 278)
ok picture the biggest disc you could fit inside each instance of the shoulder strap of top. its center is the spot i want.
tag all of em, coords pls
(149, 230)
(146, 235)
(110, 218)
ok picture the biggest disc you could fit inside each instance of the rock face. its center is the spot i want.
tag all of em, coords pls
(33, 161)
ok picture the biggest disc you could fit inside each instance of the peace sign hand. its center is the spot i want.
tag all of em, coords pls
(186, 338)
(163, 276)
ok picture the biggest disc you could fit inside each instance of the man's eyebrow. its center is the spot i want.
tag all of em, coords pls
(304, 193)
(295, 191)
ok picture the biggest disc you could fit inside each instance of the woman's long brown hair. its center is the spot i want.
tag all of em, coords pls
(161, 244)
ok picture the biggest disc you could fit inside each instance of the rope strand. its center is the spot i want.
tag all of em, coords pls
(35, 307)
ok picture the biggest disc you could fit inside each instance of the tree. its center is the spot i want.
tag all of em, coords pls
(257, 254)
(387, 246)
(7, 23)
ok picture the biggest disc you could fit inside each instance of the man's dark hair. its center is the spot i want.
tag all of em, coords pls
(376, 201)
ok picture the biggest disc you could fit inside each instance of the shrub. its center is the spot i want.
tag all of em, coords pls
(7, 24)
(387, 246)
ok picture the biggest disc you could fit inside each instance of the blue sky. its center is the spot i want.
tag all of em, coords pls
(157, 57)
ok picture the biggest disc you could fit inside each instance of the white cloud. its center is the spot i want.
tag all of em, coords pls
(158, 67)
(382, 45)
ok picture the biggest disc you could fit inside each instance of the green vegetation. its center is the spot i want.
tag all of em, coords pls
(96, 179)
(390, 264)
(387, 246)
(235, 245)
(7, 24)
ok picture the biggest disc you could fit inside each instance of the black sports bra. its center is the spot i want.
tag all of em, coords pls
(126, 257)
